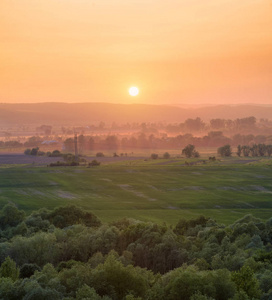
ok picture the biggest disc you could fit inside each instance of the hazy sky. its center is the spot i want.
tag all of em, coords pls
(175, 51)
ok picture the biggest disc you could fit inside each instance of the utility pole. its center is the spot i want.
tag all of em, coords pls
(76, 151)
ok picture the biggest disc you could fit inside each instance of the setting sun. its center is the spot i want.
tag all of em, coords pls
(133, 91)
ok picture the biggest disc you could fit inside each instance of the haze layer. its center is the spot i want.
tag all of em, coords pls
(178, 51)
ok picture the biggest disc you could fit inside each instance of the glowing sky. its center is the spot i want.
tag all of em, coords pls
(175, 51)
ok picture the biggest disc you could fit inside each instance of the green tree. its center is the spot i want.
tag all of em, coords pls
(217, 123)
(11, 215)
(111, 142)
(27, 151)
(224, 150)
(239, 150)
(99, 154)
(194, 124)
(184, 283)
(189, 151)
(154, 156)
(166, 155)
(8, 269)
(70, 215)
(34, 151)
(87, 293)
(117, 281)
(8, 289)
(254, 150)
(246, 150)
(246, 281)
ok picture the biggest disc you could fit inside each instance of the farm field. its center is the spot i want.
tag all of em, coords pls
(156, 190)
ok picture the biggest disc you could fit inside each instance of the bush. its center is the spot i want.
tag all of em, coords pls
(64, 164)
(41, 153)
(94, 163)
(27, 151)
(99, 154)
(34, 151)
(224, 151)
(196, 154)
(154, 156)
(56, 153)
(189, 151)
(68, 157)
(166, 155)
(65, 216)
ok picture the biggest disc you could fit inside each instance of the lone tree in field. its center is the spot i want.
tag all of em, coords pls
(224, 150)
(166, 155)
(189, 151)
(154, 156)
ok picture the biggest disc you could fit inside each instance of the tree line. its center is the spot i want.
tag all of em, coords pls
(67, 253)
(189, 125)
(143, 141)
(254, 150)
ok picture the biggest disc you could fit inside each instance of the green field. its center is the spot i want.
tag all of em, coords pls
(155, 190)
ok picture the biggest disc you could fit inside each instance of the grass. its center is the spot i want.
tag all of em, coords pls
(156, 190)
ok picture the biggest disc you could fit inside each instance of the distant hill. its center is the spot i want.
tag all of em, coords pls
(89, 113)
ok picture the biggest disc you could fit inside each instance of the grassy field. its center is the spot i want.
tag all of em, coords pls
(155, 190)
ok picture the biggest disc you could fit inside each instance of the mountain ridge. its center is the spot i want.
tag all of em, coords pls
(91, 112)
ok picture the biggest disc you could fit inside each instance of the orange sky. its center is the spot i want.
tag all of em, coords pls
(175, 51)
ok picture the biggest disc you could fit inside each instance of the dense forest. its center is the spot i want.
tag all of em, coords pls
(68, 254)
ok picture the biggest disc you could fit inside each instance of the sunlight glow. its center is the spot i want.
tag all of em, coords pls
(133, 91)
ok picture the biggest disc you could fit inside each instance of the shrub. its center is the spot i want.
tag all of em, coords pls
(99, 154)
(27, 151)
(34, 151)
(196, 154)
(56, 153)
(94, 163)
(65, 216)
(68, 157)
(154, 156)
(224, 151)
(64, 164)
(189, 151)
(166, 155)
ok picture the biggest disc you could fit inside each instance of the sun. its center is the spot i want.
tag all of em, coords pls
(133, 91)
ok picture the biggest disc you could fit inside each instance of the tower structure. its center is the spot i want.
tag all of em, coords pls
(76, 150)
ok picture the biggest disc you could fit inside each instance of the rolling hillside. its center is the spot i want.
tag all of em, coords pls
(87, 113)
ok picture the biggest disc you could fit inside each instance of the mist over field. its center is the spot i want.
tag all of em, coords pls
(86, 113)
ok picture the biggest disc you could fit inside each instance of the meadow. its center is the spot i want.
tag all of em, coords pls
(156, 190)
